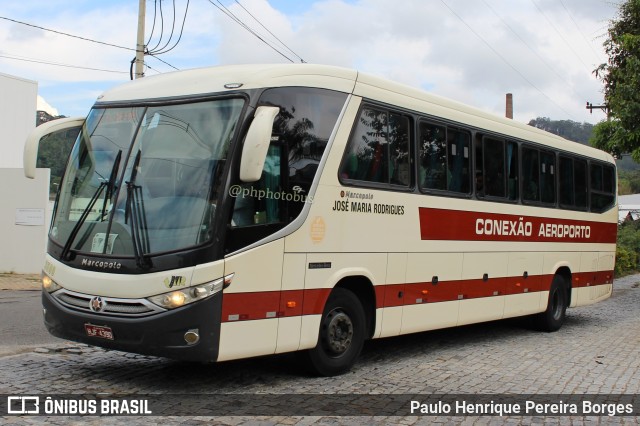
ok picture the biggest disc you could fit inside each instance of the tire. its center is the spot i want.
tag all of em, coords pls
(553, 318)
(341, 335)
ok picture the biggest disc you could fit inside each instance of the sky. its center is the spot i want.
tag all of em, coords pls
(473, 51)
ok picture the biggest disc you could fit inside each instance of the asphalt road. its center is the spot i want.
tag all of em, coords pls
(21, 326)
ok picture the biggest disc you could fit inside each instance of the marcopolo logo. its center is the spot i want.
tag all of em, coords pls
(101, 264)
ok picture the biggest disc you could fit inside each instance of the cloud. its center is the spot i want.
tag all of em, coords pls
(42, 105)
(474, 52)
(542, 51)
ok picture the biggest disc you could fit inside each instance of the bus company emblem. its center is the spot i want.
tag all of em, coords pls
(175, 281)
(96, 304)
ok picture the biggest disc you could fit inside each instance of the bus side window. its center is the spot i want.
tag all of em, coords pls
(581, 187)
(512, 171)
(458, 161)
(378, 150)
(433, 156)
(496, 169)
(366, 153)
(566, 188)
(479, 169)
(547, 177)
(530, 175)
(255, 203)
(602, 186)
(399, 164)
(494, 178)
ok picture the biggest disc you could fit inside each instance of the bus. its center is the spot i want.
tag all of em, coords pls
(230, 212)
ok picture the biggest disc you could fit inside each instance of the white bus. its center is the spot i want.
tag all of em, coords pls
(223, 213)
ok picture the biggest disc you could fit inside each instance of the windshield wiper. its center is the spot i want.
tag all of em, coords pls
(85, 213)
(111, 184)
(136, 211)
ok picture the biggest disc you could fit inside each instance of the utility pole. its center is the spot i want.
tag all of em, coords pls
(140, 41)
(591, 107)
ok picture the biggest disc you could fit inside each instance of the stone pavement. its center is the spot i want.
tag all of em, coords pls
(596, 353)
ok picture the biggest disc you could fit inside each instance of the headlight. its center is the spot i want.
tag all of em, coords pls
(175, 299)
(48, 284)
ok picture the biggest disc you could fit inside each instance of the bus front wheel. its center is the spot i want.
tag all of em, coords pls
(553, 318)
(341, 336)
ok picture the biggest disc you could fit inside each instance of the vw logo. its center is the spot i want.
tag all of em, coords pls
(96, 304)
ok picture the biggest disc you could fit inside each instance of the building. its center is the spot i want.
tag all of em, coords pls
(628, 207)
(23, 205)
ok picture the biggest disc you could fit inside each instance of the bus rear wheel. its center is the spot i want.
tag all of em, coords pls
(553, 318)
(341, 335)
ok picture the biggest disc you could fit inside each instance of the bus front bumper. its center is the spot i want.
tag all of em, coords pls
(162, 334)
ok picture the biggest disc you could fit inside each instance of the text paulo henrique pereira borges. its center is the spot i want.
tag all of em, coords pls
(521, 408)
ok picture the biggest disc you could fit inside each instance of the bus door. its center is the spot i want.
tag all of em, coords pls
(251, 304)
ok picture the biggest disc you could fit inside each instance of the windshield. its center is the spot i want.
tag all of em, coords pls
(144, 180)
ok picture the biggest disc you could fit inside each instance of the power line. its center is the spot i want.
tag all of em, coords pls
(66, 34)
(504, 59)
(153, 26)
(598, 56)
(155, 13)
(161, 51)
(173, 27)
(532, 50)
(272, 34)
(238, 21)
(57, 64)
(561, 36)
(73, 36)
(164, 62)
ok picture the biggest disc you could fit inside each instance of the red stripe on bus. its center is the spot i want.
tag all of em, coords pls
(446, 291)
(290, 303)
(273, 304)
(587, 279)
(457, 225)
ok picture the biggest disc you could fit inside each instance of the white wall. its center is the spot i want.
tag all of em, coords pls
(22, 247)
(18, 99)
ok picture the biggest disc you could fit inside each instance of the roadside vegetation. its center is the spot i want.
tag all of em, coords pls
(628, 248)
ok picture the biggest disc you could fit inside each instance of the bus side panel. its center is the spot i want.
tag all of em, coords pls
(431, 297)
(484, 282)
(522, 297)
(391, 313)
(324, 271)
(588, 271)
(553, 261)
(309, 327)
(250, 305)
(291, 302)
(601, 287)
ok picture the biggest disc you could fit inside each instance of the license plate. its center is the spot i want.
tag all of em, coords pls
(101, 331)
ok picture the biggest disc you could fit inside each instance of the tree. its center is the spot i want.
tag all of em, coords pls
(568, 129)
(53, 152)
(620, 133)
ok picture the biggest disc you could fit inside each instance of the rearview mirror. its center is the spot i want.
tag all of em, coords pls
(33, 140)
(256, 144)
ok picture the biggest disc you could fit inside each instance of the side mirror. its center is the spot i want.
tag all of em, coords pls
(256, 143)
(33, 140)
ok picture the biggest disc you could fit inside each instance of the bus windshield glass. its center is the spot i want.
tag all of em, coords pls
(144, 180)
